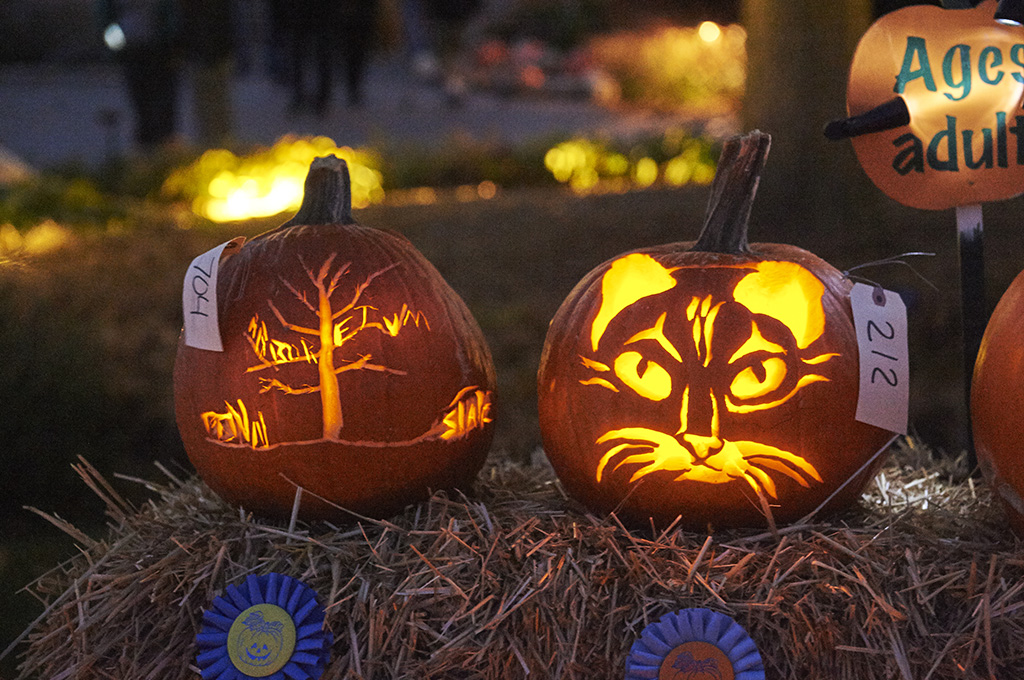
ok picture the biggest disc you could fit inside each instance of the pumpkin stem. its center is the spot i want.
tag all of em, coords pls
(732, 194)
(327, 194)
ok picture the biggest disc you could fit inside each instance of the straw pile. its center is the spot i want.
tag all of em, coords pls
(921, 581)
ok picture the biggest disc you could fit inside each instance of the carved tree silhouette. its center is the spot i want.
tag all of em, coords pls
(335, 329)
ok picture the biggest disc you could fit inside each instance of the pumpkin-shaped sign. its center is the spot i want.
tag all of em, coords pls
(997, 403)
(961, 76)
(349, 368)
(713, 380)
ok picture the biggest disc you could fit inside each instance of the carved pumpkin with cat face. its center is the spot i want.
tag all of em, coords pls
(715, 386)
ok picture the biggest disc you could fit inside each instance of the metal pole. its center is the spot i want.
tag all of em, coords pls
(972, 298)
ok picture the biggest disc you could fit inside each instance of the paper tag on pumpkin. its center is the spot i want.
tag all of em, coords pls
(199, 298)
(880, 318)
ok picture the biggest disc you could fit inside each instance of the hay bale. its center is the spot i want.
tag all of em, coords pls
(921, 581)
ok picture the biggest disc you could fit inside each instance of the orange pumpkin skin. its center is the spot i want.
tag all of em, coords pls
(997, 403)
(643, 409)
(410, 409)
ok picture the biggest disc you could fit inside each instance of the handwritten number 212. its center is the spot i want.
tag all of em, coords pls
(888, 375)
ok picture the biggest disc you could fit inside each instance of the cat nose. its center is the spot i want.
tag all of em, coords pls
(698, 417)
(702, 446)
(698, 414)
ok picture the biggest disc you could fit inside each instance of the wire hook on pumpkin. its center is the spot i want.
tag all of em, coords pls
(894, 259)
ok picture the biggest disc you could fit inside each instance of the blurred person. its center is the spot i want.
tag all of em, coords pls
(419, 51)
(278, 48)
(448, 20)
(144, 35)
(209, 42)
(319, 31)
(357, 36)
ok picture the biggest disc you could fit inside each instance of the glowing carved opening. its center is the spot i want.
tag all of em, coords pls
(750, 385)
(787, 292)
(758, 375)
(755, 343)
(652, 382)
(657, 333)
(630, 279)
(336, 325)
(233, 426)
(470, 410)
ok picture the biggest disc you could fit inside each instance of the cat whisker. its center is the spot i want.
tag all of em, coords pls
(755, 475)
(785, 462)
(638, 457)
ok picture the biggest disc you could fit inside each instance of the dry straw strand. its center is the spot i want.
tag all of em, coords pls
(921, 580)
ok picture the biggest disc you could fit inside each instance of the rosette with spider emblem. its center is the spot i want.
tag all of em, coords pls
(270, 627)
(694, 644)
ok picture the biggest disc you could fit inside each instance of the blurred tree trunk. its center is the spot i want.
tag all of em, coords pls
(798, 59)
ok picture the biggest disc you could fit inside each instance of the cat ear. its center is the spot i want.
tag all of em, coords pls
(788, 292)
(628, 280)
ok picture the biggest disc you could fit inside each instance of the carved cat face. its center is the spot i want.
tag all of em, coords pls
(706, 372)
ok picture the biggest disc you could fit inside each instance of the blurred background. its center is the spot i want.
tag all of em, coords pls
(517, 143)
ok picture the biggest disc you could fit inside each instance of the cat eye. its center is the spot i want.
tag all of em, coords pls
(762, 378)
(651, 381)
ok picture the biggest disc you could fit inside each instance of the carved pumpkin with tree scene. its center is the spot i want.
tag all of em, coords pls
(349, 368)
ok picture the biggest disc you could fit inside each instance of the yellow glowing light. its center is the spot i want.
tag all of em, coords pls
(43, 238)
(789, 293)
(589, 167)
(650, 381)
(343, 325)
(646, 172)
(616, 164)
(726, 461)
(584, 180)
(629, 279)
(698, 68)
(470, 410)
(657, 333)
(234, 426)
(761, 369)
(224, 187)
(747, 384)
(709, 31)
(678, 171)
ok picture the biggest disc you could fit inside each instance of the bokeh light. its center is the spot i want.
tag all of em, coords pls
(588, 166)
(223, 187)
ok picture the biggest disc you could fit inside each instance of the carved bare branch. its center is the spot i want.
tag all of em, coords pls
(360, 288)
(300, 295)
(301, 359)
(290, 326)
(363, 363)
(342, 270)
(267, 384)
(324, 268)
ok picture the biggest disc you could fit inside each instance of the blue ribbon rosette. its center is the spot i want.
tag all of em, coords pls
(694, 644)
(270, 627)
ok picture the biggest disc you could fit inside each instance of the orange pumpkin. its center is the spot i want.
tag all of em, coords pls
(712, 380)
(997, 403)
(350, 368)
(961, 75)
